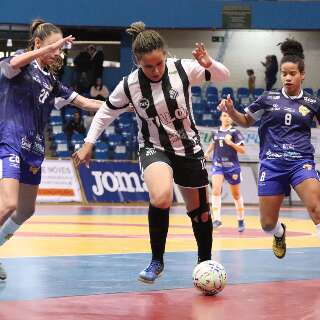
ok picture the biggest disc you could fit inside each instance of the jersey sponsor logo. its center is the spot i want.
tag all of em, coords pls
(273, 97)
(288, 109)
(303, 110)
(144, 103)
(173, 94)
(150, 152)
(26, 144)
(307, 166)
(307, 99)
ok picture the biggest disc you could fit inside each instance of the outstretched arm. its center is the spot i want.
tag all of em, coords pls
(86, 103)
(243, 120)
(217, 70)
(23, 59)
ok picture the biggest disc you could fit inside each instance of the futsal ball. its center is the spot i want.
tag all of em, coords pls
(209, 277)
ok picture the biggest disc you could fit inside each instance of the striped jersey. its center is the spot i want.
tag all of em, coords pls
(163, 108)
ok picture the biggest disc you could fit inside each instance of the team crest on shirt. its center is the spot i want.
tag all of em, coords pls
(303, 110)
(173, 94)
(144, 103)
(307, 166)
(235, 176)
(34, 170)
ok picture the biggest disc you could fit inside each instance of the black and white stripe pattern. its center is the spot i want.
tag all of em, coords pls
(164, 108)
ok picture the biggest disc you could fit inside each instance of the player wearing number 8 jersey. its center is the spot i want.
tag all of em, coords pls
(29, 92)
(286, 152)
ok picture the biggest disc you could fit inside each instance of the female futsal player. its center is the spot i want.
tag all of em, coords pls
(29, 91)
(286, 152)
(169, 144)
(226, 143)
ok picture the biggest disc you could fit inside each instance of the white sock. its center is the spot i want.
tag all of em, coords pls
(239, 207)
(216, 207)
(318, 230)
(277, 231)
(7, 230)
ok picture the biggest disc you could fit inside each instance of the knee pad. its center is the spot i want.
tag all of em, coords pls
(195, 215)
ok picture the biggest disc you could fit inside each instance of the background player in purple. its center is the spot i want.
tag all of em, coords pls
(226, 143)
(29, 91)
(286, 153)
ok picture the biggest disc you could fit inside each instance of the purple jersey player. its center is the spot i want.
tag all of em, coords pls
(226, 143)
(29, 91)
(286, 152)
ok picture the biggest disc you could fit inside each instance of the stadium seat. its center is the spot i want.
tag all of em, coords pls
(120, 153)
(225, 91)
(257, 92)
(55, 120)
(196, 95)
(101, 154)
(243, 95)
(212, 91)
(77, 140)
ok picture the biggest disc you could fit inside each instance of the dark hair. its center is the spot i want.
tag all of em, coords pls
(250, 72)
(144, 41)
(292, 51)
(42, 29)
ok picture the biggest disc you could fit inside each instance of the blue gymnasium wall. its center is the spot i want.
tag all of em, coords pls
(183, 14)
(160, 14)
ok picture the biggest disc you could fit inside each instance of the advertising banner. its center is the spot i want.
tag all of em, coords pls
(59, 182)
(113, 182)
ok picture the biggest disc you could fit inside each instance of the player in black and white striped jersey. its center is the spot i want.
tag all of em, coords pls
(169, 144)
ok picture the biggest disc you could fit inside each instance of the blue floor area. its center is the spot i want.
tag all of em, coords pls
(36, 278)
(299, 212)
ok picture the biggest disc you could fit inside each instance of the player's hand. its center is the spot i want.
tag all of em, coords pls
(228, 139)
(207, 156)
(83, 155)
(60, 43)
(226, 105)
(201, 55)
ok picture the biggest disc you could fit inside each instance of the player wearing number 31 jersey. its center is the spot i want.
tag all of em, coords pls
(286, 152)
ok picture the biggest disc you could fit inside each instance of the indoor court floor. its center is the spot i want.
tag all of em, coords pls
(82, 262)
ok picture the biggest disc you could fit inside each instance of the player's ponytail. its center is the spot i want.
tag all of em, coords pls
(292, 51)
(144, 41)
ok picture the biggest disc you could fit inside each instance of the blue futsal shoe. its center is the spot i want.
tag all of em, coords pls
(216, 224)
(151, 272)
(241, 225)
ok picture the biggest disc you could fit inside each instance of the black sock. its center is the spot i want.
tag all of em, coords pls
(158, 230)
(203, 234)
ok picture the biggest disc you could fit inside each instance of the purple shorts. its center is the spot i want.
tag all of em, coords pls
(277, 181)
(232, 175)
(12, 166)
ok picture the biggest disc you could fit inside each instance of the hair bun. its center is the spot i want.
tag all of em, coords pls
(136, 28)
(291, 47)
(35, 24)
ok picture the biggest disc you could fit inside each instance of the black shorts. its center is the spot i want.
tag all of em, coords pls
(188, 173)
